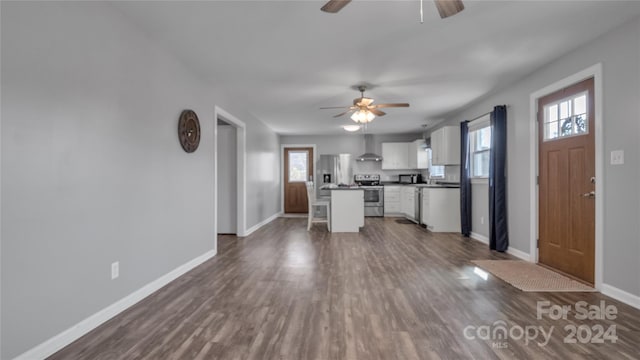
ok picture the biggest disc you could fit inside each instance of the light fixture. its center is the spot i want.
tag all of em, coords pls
(351, 128)
(362, 116)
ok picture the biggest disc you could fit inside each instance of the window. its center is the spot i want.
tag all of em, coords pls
(435, 171)
(567, 117)
(298, 166)
(480, 147)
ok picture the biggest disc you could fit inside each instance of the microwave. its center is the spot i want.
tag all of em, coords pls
(409, 178)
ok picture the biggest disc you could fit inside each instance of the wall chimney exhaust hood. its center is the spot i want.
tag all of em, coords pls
(369, 155)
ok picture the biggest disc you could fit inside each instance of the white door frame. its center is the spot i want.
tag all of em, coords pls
(595, 72)
(241, 168)
(315, 160)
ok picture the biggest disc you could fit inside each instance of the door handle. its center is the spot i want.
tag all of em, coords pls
(590, 195)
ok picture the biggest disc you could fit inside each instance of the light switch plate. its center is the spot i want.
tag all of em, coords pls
(617, 157)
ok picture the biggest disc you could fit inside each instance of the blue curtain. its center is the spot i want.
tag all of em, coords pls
(498, 234)
(465, 180)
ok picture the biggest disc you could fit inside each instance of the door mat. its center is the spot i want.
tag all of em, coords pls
(528, 276)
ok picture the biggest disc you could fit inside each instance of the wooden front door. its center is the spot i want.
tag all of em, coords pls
(298, 168)
(567, 181)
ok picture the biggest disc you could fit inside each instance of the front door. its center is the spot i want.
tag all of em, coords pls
(298, 168)
(566, 194)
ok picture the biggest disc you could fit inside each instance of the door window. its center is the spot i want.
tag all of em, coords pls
(298, 165)
(567, 117)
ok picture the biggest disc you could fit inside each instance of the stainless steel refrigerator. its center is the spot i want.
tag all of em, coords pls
(332, 170)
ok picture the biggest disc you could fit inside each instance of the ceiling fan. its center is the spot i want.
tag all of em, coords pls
(363, 108)
(446, 8)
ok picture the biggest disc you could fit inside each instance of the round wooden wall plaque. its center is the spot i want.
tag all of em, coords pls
(189, 130)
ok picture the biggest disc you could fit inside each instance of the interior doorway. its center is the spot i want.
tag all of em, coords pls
(567, 177)
(229, 174)
(227, 178)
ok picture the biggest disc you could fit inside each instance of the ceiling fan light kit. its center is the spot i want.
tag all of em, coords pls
(363, 116)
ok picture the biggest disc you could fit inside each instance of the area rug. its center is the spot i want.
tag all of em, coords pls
(527, 276)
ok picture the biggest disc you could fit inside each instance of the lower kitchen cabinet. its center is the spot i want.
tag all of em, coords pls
(441, 209)
(407, 202)
(392, 201)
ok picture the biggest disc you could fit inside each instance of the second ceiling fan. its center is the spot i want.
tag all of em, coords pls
(446, 8)
(364, 109)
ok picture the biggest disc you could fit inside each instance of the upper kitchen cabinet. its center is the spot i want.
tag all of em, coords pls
(417, 155)
(445, 146)
(395, 156)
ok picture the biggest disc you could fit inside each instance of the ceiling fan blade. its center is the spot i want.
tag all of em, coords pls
(348, 111)
(448, 8)
(390, 105)
(378, 112)
(333, 6)
(337, 107)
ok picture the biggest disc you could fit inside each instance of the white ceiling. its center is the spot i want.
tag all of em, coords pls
(286, 59)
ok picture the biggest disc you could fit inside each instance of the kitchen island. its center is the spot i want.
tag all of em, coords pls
(347, 209)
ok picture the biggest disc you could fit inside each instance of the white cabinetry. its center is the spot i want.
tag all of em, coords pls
(407, 201)
(347, 210)
(392, 200)
(445, 146)
(441, 209)
(395, 156)
(417, 155)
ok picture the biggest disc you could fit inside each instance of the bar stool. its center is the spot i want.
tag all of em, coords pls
(314, 202)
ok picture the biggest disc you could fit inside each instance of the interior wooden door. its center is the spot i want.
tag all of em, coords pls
(567, 181)
(298, 168)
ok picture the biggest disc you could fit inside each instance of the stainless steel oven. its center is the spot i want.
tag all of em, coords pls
(373, 200)
(373, 194)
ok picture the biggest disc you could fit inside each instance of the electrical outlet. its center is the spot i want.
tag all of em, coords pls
(617, 157)
(482, 220)
(115, 270)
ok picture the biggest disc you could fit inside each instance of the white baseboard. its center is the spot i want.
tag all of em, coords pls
(515, 252)
(481, 238)
(621, 295)
(519, 254)
(261, 224)
(73, 333)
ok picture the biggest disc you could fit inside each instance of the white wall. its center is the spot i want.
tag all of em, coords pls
(227, 180)
(92, 171)
(480, 209)
(619, 53)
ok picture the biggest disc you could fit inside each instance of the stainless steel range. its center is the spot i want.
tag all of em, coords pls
(373, 193)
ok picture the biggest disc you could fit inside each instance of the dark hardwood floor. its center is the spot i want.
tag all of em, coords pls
(393, 291)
